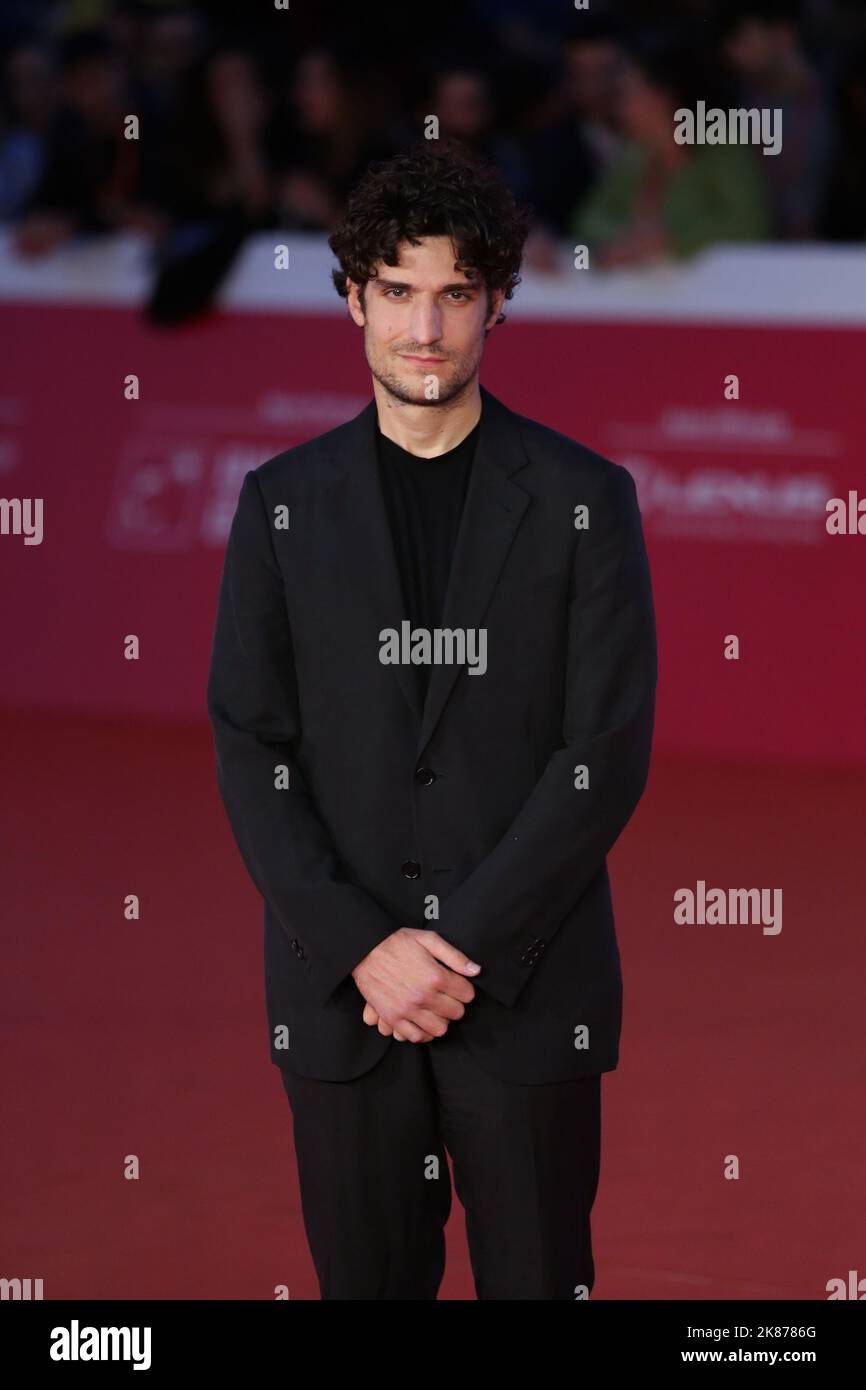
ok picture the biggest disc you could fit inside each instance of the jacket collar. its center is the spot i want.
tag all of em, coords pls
(493, 511)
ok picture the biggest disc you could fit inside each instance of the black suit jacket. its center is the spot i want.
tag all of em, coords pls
(470, 803)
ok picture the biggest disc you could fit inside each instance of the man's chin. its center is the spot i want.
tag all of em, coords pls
(412, 389)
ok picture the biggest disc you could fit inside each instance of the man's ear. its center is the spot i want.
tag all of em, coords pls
(356, 302)
(497, 299)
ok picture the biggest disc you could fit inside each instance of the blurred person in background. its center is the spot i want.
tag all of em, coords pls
(765, 49)
(659, 199)
(462, 99)
(28, 99)
(217, 186)
(577, 139)
(321, 141)
(460, 96)
(89, 179)
(844, 212)
(163, 50)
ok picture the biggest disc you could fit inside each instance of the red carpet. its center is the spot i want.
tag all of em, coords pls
(148, 1038)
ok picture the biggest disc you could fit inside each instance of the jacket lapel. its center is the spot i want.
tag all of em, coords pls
(492, 513)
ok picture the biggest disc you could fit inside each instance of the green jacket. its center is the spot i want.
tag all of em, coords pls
(715, 195)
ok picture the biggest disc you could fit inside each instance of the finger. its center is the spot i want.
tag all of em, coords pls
(410, 1032)
(452, 982)
(449, 955)
(370, 1015)
(424, 1037)
(428, 1022)
(384, 1028)
(443, 1006)
(421, 1038)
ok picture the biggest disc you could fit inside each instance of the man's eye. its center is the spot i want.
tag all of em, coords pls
(394, 290)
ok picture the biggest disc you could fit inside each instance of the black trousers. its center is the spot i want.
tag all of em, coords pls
(375, 1185)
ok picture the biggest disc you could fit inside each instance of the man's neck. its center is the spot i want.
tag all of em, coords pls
(428, 430)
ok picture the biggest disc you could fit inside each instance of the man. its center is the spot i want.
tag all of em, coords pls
(432, 692)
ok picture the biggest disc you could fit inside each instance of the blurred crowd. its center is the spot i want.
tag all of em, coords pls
(253, 116)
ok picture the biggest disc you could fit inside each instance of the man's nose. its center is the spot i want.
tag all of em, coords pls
(426, 323)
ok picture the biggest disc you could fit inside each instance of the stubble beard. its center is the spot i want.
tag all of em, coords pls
(450, 389)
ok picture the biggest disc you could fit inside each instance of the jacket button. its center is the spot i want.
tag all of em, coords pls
(533, 952)
(424, 776)
(411, 869)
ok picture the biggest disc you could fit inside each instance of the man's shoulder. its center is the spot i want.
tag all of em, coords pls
(312, 456)
(560, 455)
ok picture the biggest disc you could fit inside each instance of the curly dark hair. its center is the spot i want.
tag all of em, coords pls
(442, 190)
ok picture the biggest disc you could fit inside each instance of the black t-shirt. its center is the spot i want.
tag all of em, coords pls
(424, 499)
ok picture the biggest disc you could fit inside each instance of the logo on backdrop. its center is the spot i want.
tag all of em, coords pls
(178, 479)
(753, 475)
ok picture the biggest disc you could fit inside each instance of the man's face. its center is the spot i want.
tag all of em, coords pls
(424, 323)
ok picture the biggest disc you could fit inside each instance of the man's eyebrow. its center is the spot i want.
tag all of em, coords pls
(471, 284)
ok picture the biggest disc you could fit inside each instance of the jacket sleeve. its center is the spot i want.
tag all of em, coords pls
(253, 707)
(515, 899)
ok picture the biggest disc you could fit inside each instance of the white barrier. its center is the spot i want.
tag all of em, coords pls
(768, 283)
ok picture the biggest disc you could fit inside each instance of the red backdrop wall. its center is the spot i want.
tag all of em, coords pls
(138, 496)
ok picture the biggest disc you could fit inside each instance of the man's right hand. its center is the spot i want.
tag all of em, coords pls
(416, 982)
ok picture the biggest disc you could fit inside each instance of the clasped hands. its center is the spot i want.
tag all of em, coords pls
(414, 984)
